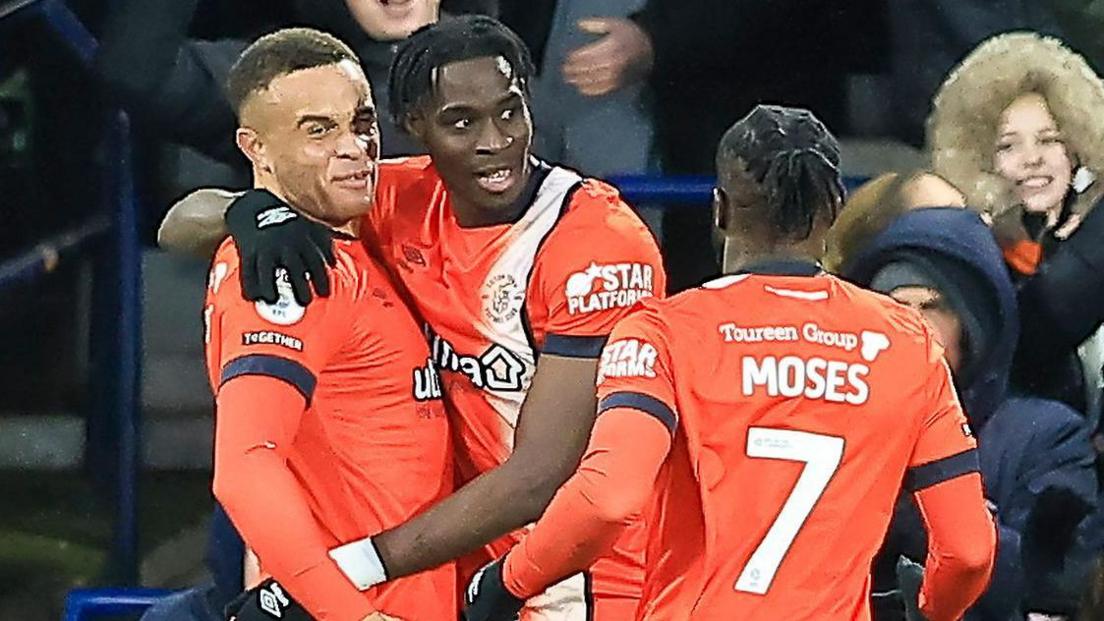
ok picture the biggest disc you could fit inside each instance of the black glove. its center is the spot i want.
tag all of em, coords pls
(269, 234)
(487, 598)
(910, 576)
(265, 602)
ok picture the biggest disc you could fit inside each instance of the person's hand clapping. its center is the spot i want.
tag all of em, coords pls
(622, 57)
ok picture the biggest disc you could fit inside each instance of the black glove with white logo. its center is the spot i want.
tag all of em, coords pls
(487, 598)
(910, 576)
(265, 602)
(269, 234)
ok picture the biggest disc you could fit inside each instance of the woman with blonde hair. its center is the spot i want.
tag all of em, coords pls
(1018, 127)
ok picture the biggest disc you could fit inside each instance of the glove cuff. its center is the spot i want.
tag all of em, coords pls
(490, 585)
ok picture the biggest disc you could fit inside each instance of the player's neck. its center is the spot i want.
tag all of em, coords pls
(742, 251)
(350, 228)
(739, 259)
(471, 216)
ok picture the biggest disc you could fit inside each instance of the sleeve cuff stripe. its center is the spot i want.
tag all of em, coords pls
(645, 403)
(281, 368)
(940, 470)
(574, 346)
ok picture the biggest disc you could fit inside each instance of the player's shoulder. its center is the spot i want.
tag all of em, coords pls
(408, 166)
(595, 201)
(227, 262)
(596, 218)
(351, 267)
(650, 314)
(404, 173)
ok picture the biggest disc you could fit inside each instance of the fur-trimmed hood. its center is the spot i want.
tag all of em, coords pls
(966, 113)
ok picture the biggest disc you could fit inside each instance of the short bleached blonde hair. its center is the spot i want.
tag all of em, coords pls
(963, 126)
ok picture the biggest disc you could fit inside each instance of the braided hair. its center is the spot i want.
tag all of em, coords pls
(792, 162)
(453, 39)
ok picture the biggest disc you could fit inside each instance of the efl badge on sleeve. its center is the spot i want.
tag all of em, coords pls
(286, 311)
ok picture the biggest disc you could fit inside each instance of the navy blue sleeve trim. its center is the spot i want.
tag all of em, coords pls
(645, 403)
(932, 473)
(281, 368)
(574, 346)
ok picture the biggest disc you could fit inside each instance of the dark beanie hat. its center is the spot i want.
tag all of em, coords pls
(965, 291)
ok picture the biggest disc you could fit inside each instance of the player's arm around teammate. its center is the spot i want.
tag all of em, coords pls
(559, 405)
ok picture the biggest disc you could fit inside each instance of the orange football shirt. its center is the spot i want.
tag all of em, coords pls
(372, 446)
(798, 406)
(495, 298)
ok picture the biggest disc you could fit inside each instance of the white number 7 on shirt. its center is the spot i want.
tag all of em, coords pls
(822, 455)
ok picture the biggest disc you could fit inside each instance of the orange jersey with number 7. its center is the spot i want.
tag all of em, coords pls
(795, 407)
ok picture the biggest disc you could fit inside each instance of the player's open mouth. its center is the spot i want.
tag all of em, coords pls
(495, 181)
(354, 181)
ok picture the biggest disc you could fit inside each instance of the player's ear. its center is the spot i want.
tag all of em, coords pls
(721, 215)
(414, 123)
(251, 144)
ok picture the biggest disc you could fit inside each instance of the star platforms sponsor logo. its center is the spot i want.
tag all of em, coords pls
(627, 358)
(602, 287)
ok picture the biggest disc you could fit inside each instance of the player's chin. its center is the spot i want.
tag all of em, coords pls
(349, 203)
(495, 201)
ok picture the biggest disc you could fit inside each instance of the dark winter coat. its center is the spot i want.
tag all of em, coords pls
(1035, 455)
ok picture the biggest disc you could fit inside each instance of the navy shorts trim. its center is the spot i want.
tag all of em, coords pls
(574, 346)
(933, 473)
(645, 403)
(273, 366)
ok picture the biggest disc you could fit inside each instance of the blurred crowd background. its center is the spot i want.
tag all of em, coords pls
(978, 169)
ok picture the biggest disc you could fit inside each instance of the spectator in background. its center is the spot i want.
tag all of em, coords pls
(927, 38)
(174, 85)
(1035, 454)
(877, 203)
(708, 61)
(597, 121)
(1016, 127)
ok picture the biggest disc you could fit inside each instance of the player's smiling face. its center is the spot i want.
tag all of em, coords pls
(316, 140)
(478, 129)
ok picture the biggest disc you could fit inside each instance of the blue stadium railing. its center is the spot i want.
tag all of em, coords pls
(88, 604)
(111, 237)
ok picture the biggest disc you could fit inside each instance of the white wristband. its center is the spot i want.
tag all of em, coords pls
(360, 563)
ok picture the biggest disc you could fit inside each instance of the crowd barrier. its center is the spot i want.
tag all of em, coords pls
(111, 240)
